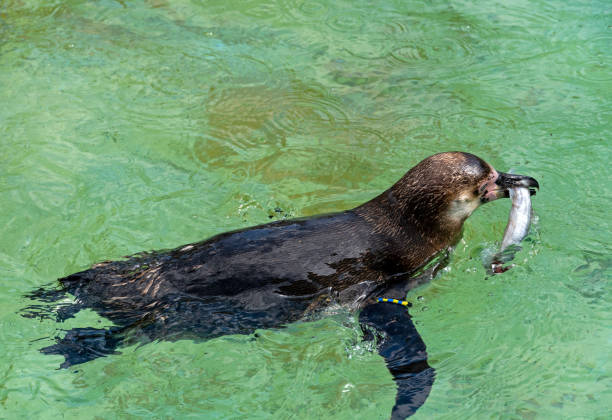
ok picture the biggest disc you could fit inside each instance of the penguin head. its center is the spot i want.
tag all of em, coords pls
(443, 190)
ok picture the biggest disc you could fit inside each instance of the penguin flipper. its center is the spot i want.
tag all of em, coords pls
(404, 352)
(81, 345)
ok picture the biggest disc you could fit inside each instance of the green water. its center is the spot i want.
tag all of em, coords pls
(135, 125)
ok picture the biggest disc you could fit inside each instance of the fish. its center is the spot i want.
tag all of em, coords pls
(519, 219)
(517, 228)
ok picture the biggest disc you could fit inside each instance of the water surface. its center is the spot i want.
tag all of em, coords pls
(135, 125)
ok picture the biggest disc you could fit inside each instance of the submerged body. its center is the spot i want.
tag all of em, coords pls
(269, 275)
(259, 277)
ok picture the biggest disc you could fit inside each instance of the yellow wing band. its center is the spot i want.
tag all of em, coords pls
(399, 302)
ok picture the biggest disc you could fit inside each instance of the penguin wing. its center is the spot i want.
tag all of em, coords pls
(404, 352)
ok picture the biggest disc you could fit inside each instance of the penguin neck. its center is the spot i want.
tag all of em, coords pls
(415, 209)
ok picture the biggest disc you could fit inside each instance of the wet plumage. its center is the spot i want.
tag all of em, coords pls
(267, 276)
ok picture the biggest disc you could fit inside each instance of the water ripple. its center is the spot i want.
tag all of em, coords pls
(140, 125)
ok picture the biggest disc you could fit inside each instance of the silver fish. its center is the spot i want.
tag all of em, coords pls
(519, 218)
(516, 229)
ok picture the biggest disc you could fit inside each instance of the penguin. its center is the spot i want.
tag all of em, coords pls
(273, 274)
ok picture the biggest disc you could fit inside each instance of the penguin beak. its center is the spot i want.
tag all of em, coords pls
(499, 188)
(508, 181)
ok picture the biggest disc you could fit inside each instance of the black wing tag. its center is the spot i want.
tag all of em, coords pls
(404, 352)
